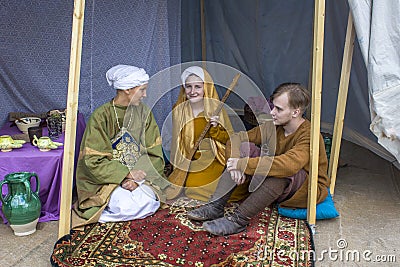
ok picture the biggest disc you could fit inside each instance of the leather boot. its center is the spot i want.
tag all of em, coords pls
(209, 211)
(214, 209)
(228, 225)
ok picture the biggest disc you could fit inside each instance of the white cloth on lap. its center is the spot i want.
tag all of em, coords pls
(128, 205)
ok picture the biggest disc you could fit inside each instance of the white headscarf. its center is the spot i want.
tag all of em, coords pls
(198, 71)
(125, 77)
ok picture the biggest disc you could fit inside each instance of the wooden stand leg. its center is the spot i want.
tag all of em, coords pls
(341, 102)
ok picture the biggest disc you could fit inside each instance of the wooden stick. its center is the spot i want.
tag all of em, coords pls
(72, 111)
(217, 111)
(318, 53)
(341, 102)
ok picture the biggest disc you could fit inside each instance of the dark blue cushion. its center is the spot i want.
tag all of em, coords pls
(325, 210)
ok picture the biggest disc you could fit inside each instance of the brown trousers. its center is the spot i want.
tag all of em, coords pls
(267, 193)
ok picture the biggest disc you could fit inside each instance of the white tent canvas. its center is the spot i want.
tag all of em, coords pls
(377, 25)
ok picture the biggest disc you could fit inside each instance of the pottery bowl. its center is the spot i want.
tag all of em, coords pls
(24, 123)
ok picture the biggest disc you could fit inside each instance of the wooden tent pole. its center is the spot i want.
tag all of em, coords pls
(310, 76)
(317, 63)
(341, 102)
(71, 120)
(203, 33)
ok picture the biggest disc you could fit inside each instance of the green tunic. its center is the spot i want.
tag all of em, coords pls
(98, 174)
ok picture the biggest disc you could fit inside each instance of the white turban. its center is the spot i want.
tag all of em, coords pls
(198, 71)
(125, 77)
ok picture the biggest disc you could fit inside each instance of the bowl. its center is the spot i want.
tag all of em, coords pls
(24, 123)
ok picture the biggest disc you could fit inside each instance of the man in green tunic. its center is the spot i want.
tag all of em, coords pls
(281, 177)
(119, 173)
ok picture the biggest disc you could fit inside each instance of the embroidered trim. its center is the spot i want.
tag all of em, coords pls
(125, 149)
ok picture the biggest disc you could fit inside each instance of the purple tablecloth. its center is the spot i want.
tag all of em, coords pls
(47, 165)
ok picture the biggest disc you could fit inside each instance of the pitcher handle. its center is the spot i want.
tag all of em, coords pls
(37, 182)
(1, 191)
(28, 189)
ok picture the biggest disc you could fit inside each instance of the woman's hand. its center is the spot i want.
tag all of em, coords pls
(214, 120)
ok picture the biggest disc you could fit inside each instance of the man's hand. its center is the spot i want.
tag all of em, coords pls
(238, 177)
(130, 181)
(129, 184)
(231, 164)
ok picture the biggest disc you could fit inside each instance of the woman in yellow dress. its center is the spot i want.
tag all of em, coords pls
(196, 105)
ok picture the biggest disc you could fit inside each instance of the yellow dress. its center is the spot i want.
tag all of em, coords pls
(208, 163)
(205, 169)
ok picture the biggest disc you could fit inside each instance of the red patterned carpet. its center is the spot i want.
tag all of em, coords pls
(168, 238)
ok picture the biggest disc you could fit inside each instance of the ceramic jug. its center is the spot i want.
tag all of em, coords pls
(21, 206)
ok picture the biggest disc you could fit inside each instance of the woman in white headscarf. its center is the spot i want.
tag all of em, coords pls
(196, 105)
(119, 174)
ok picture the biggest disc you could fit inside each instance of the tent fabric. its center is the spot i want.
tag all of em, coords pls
(271, 41)
(377, 27)
(36, 41)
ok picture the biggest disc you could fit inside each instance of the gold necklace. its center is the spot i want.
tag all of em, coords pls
(116, 116)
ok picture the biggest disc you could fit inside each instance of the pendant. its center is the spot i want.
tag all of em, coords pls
(125, 148)
(123, 130)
